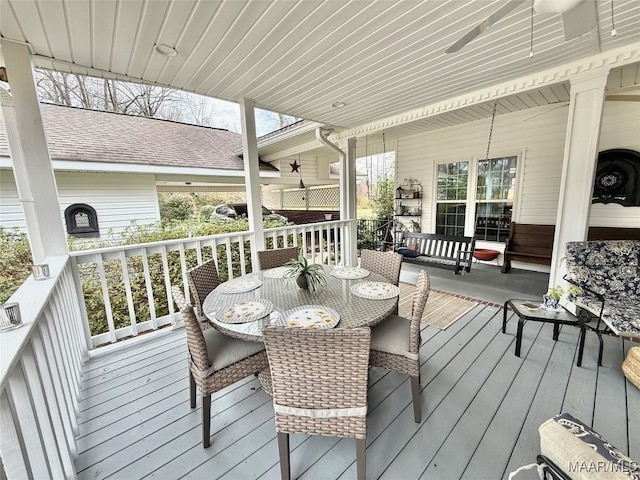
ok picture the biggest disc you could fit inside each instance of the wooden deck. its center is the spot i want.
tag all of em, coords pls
(481, 410)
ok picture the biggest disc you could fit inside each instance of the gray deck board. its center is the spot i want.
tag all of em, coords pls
(611, 396)
(453, 385)
(470, 371)
(481, 408)
(548, 397)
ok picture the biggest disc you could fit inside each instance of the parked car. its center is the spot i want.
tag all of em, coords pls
(231, 211)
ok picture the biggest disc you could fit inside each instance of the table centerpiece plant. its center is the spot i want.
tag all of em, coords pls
(308, 276)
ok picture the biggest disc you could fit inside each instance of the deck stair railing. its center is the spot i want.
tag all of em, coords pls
(40, 365)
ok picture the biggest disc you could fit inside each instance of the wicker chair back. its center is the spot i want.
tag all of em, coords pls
(420, 298)
(323, 371)
(387, 264)
(195, 338)
(276, 258)
(202, 280)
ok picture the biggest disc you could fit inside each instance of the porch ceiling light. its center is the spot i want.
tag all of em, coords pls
(338, 104)
(166, 50)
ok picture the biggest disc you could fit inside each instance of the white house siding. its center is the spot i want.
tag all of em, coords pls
(620, 129)
(117, 198)
(537, 134)
(10, 209)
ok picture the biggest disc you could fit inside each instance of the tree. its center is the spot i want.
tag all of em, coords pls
(177, 208)
(281, 119)
(383, 197)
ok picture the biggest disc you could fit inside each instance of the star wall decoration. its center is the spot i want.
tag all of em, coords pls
(295, 166)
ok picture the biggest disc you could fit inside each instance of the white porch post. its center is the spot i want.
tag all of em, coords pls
(252, 177)
(579, 165)
(32, 168)
(348, 185)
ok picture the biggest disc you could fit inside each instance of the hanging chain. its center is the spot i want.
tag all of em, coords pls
(531, 33)
(493, 117)
(613, 25)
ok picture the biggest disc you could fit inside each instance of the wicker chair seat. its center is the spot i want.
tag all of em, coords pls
(264, 377)
(392, 336)
(223, 350)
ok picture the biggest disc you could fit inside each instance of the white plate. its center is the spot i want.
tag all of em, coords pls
(240, 285)
(309, 316)
(277, 272)
(244, 311)
(349, 273)
(375, 290)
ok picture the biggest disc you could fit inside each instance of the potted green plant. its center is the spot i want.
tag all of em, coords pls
(309, 276)
(552, 297)
(574, 292)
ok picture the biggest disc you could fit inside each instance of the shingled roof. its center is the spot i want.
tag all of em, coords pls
(93, 136)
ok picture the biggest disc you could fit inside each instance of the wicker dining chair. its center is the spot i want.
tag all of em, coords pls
(276, 258)
(395, 342)
(319, 379)
(387, 264)
(202, 280)
(215, 361)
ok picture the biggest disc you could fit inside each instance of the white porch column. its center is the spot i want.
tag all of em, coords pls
(348, 186)
(579, 165)
(252, 177)
(32, 168)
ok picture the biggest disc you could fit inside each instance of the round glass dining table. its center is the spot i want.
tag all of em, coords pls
(355, 311)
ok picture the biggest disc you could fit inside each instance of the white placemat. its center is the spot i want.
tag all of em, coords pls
(309, 316)
(277, 272)
(240, 285)
(375, 290)
(244, 311)
(349, 272)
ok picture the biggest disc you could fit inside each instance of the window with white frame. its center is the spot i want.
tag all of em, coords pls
(493, 197)
(451, 198)
(495, 191)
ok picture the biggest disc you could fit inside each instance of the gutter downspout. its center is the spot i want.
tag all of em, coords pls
(342, 182)
(347, 195)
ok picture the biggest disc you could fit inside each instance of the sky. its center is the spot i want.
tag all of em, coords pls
(225, 114)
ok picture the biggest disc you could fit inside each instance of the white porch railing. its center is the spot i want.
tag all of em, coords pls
(40, 378)
(126, 290)
(40, 363)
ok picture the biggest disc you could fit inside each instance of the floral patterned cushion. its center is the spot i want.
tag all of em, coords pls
(582, 453)
(622, 316)
(608, 267)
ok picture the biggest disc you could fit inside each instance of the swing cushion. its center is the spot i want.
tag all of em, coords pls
(408, 252)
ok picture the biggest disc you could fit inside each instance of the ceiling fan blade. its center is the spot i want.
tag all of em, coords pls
(483, 25)
(579, 20)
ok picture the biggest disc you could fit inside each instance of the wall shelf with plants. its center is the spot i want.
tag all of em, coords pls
(408, 207)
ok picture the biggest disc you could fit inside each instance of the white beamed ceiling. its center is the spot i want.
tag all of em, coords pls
(381, 58)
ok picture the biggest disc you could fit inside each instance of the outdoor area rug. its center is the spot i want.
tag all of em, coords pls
(442, 308)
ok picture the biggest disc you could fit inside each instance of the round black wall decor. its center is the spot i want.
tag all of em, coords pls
(81, 220)
(618, 178)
